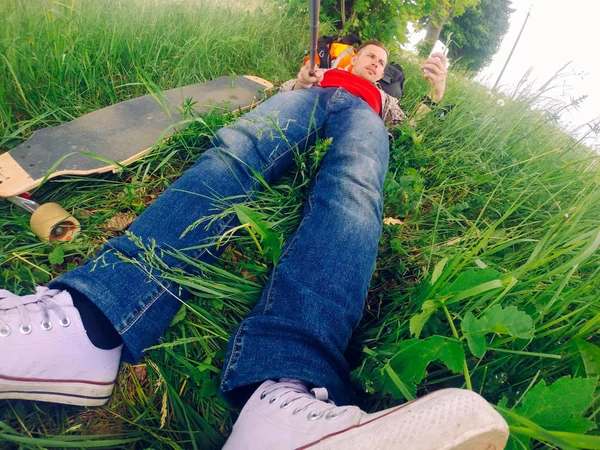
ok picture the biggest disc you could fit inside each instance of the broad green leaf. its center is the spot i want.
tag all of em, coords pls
(418, 321)
(523, 427)
(554, 407)
(414, 355)
(438, 269)
(210, 388)
(518, 443)
(256, 220)
(476, 290)
(475, 340)
(470, 279)
(57, 256)
(508, 321)
(272, 242)
(179, 316)
(590, 354)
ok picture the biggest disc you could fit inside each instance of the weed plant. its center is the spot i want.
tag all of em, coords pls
(487, 273)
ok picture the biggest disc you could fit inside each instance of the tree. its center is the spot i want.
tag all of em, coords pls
(369, 19)
(439, 12)
(477, 34)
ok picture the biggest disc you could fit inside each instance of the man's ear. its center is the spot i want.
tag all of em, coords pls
(353, 60)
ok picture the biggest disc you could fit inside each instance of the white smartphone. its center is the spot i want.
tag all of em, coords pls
(438, 47)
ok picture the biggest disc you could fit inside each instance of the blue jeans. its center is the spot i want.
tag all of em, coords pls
(315, 295)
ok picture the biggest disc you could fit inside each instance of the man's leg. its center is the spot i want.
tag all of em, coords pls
(137, 301)
(315, 295)
(296, 336)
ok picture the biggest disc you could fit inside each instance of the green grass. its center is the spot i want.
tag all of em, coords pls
(497, 209)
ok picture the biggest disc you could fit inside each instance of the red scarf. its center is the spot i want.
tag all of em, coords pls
(355, 85)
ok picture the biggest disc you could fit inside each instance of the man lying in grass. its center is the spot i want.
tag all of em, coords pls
(285, 361)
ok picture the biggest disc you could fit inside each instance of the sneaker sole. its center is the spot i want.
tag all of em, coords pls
(449, 419)
(68, 392)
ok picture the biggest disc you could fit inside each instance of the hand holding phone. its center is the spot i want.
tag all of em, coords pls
(438, 47)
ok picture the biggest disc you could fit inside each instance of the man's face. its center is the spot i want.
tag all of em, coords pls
(369, 63)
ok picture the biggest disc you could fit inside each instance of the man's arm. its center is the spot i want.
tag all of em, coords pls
(436, 75)
(392, 113)
(304, 80)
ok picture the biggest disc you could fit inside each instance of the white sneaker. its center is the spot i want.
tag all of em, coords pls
(284, 415)
(46, 354)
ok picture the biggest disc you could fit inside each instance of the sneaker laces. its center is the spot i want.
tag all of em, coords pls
(295, 392)
(42, 300)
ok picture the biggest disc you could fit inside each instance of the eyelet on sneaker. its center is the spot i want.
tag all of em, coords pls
(25, 329)
(46, 326)
(334, 415)
(4, 332)
(273, 400)
(65, 322)
(263, 395)
(285, 404)
(299, 409)
(313, 415)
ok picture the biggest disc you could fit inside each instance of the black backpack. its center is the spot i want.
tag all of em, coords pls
(393, 80)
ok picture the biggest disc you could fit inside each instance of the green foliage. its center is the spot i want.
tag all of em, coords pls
(404, 193)
(553, 414)
(57, 256)
(256, 222)
(507, 321)
(95, 53)
(468, 284)
(436, 13)
(498, 238)
(384, 21)
(405, 369)
(590, 356)
(424, 48)
(477, 34)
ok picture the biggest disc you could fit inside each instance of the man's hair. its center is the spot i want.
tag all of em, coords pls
(373, 42)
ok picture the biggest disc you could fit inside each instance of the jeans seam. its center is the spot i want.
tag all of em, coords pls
(290, 247)
(134, 320)
(234, 353)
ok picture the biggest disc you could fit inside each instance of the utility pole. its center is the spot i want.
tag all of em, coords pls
(513, 49)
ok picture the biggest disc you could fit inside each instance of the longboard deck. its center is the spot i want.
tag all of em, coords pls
(123, 132)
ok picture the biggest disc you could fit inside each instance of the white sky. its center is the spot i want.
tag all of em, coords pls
(556, 33)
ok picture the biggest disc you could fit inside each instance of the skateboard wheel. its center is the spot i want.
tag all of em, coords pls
(51, 222)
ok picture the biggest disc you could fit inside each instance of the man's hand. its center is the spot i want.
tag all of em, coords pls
(436, 65)
(305, 80)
